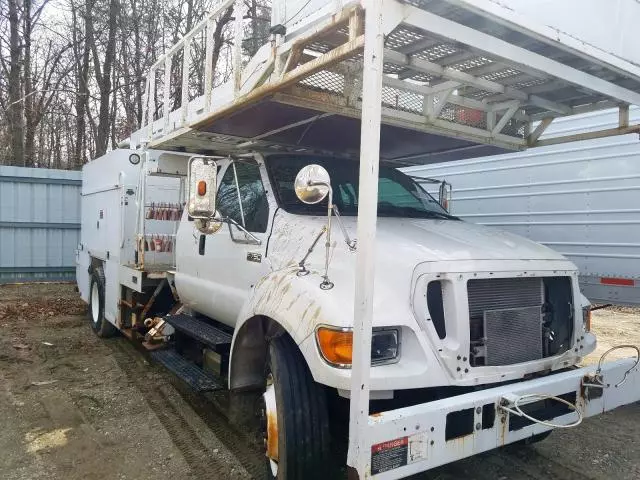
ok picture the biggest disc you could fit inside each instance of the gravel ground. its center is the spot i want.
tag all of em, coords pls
(75, 407)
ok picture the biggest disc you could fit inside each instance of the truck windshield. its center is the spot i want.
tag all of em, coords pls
(398, 194)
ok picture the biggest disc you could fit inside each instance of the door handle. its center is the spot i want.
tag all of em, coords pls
(202, 244)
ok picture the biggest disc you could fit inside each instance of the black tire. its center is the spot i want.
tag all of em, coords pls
(100, 325)
(303, 423)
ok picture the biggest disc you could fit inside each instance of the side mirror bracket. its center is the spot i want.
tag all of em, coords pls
(312, 185)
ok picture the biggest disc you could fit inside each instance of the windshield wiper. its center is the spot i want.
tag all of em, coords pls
(443, 215)
(414, 212)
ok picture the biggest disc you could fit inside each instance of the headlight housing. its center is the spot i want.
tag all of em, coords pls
(336, 345)
(385, 346)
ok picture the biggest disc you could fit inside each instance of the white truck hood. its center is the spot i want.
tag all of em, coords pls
(407, 241)
(405, 247)
(447, 240)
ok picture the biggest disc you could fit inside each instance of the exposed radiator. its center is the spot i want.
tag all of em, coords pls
(513, 335)
(500, 293)
(506, 320)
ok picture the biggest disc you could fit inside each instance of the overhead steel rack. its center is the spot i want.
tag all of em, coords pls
(455, 73)
(392, 80)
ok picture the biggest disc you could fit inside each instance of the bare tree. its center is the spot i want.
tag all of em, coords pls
(72, 82)
(103, 70)
(81, 55)
(15, 106)
(47, 78)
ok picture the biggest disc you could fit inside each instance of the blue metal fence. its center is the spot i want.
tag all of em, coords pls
(39, 224)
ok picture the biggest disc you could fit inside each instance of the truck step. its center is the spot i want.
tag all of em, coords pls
(200, 330)
(189, 372)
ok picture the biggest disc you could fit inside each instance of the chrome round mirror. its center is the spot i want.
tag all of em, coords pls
(312, 184)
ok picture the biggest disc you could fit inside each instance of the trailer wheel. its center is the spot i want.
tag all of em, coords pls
(100, 325)
(294, 418)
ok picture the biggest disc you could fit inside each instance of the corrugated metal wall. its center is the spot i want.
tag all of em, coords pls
(39, 224)
(581, 199)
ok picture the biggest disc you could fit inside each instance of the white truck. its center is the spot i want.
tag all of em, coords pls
(239, 239)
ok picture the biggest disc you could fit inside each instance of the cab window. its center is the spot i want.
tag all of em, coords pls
(250, 208)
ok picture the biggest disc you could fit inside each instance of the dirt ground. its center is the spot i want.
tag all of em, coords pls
(75, 407)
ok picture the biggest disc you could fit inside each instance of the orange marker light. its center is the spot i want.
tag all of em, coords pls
(336, 346)
(202, 188)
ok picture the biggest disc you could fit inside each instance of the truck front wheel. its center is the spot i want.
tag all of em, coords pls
(100, 325)
(293, 410)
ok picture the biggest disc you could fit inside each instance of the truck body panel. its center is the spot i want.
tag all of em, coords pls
(111, 219)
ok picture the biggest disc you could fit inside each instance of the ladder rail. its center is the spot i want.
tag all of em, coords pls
(164, 64)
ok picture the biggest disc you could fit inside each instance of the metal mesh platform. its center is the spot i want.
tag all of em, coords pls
(198, 379)
(456, 76)
(200, 330)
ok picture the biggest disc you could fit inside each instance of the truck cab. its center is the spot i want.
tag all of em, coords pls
(447, 288)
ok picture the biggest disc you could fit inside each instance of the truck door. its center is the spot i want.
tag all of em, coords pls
(230, 261)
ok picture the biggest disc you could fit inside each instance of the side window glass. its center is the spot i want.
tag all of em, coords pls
(227, 201)
(251, 208)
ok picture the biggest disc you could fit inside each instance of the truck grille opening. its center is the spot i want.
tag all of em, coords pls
(516, 320)
(436, 307)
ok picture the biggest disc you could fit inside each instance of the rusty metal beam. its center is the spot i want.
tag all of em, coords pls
(611, 132)
(533, 137)
(322, 62)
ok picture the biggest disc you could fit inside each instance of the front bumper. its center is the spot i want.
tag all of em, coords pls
(415, 439)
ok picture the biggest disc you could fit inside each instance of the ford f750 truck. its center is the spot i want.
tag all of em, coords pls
(258, 236)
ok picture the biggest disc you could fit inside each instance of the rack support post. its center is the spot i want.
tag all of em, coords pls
(358, 455)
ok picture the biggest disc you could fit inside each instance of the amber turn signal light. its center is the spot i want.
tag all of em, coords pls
(202, 188)
(336, 346)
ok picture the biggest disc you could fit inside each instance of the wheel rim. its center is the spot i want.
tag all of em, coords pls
(95, 303)
(270, 425)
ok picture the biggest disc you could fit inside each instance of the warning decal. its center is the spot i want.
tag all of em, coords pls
(389, 455)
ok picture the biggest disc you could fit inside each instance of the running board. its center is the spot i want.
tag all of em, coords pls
(200, 330)
(189, 372)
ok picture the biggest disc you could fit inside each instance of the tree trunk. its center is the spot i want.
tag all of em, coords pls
(15, 112)
(218, 40)
(114, 108)
(29, 99)
(82, 80)
(137, 69)
(103, 77)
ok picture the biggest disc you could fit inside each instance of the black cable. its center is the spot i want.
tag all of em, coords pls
(297, 13)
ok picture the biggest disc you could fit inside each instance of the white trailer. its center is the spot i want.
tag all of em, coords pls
(580, 199)
(471, 338)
